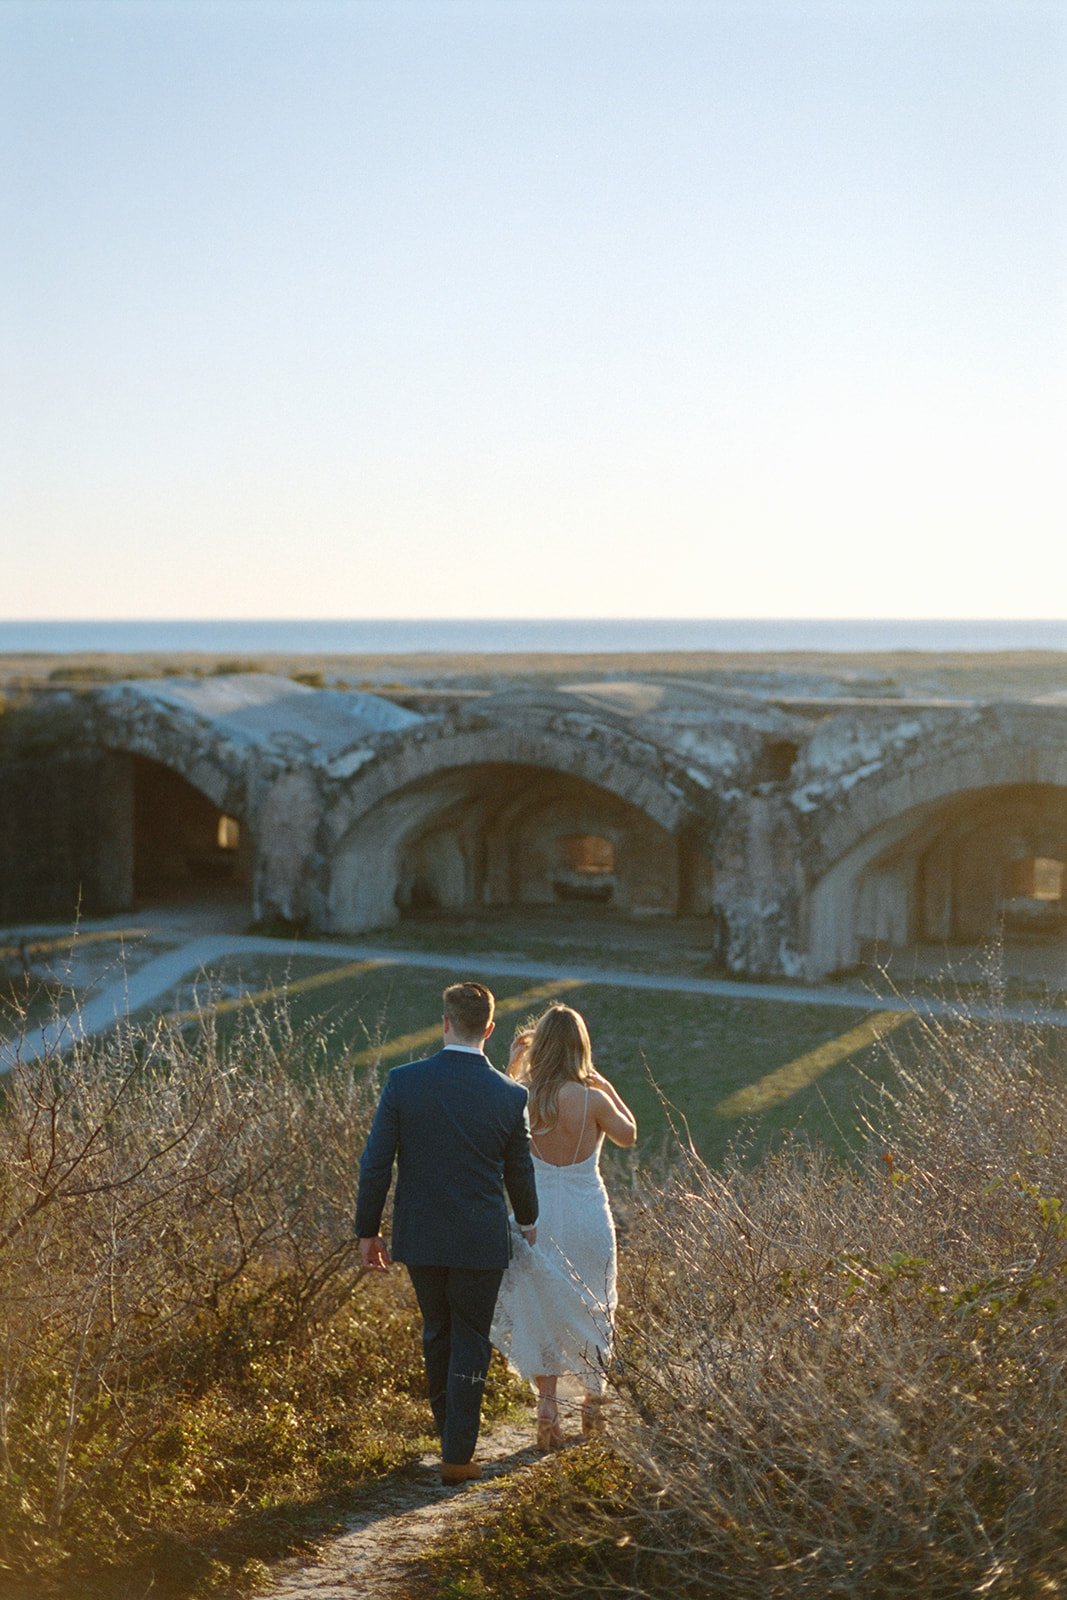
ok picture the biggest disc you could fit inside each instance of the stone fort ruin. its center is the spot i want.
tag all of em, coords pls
(809, 834)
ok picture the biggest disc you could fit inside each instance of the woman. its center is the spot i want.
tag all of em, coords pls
(557, 1302)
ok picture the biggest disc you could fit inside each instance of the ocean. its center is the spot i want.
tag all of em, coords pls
(282, 636)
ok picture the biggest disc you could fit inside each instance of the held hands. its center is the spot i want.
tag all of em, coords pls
(374, 1255)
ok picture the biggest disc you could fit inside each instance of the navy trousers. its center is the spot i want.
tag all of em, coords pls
(457, 1305)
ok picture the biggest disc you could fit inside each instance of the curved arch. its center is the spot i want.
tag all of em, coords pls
(471, 781)
(996, 752)
(191, 748)
(874, 890)
(632, 769)
(199, 778)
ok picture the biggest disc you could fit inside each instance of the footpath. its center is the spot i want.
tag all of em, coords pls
(381, 1554)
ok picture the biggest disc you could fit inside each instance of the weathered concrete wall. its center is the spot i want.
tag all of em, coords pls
(758, 888)
(806, 836)
(66, 836)
(896, 789)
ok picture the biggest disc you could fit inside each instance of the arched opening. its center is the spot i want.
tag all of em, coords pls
(509, 835)
(948, 878)
(185, 848)
(1031, 900)
(585, 868)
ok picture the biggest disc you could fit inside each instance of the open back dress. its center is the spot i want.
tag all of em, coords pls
(556, 1306)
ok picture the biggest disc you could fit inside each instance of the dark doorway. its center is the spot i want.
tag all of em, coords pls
(181, 838)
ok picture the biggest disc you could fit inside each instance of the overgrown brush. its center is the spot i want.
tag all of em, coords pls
(842, 1379)
(180, 1348)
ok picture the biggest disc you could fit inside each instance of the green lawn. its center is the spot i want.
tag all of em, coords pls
(589, 938)
(696, 1050)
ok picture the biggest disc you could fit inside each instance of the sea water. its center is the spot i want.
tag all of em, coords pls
(280, 636)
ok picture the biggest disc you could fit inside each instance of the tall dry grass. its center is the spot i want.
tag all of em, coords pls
(837, 1378)
(849, 1379)
(177, 1322)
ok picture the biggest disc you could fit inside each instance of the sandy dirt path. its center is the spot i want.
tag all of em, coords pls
(380, 1554)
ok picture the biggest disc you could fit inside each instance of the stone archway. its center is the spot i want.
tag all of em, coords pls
(183, 841)
(480, 817)
(186, 792)
(922, 853)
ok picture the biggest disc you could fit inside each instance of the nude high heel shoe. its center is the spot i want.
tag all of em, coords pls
(549, 1432)
(592, 1413)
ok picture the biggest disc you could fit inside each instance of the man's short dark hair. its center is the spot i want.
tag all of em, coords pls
(469, 1008)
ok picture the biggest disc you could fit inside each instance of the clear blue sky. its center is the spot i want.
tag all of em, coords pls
(517, 307)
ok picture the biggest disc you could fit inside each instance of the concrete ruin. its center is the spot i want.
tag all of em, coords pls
(811, 834)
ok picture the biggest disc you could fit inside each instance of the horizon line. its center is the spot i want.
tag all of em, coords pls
(107, 621)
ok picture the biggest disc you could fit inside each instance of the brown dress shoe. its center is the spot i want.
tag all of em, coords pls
(459, 1471)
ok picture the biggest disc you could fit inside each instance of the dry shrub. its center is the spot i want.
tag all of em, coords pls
(849, 1379)
(175, 1227)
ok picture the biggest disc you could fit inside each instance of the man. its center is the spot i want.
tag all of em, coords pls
(459, 1134)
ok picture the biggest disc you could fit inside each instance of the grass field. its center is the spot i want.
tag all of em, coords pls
(731, 1069)
(674, 945)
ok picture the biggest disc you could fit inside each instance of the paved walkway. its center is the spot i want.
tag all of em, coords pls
(160, 975)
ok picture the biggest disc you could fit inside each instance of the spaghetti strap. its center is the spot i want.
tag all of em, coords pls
(581, 1131)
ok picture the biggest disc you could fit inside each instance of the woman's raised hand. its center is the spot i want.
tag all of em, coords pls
(520, 1049)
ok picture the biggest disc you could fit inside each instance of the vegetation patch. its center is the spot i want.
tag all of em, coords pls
(195, 1373)
(833, 1376)
(833, 1379)
(693, 1051)
(558, 1527)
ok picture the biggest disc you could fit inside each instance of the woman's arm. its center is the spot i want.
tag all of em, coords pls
(613, 1115)
(520, 1049)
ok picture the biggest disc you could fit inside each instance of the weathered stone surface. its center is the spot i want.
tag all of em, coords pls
(804, 832)
(287, 821)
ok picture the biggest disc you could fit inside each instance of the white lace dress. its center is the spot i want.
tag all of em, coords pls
(557, 1300)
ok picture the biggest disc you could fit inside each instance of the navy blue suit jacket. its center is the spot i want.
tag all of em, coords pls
(459, 1134)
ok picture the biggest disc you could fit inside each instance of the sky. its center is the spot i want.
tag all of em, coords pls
(504, 308)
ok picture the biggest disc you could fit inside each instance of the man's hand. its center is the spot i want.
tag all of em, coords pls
(373, 1254)
(529, 1234)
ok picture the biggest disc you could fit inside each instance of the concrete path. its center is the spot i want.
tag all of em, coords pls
(157, 977)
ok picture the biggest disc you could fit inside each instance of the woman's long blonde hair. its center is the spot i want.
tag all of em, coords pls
(559, 1053)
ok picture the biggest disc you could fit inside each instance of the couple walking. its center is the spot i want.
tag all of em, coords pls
(460, 1134)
